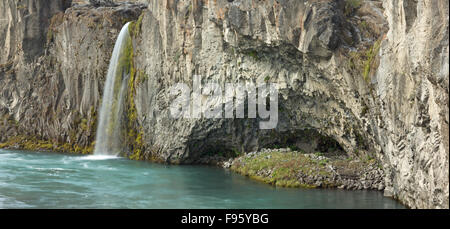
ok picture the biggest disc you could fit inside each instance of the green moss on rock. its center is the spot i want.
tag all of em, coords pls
(279, 169)
(35, 144)
(365, 61)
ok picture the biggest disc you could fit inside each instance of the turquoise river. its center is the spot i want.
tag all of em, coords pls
(51, 180)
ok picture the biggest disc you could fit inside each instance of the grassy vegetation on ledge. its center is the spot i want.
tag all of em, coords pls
(295, 169)
(280, 169)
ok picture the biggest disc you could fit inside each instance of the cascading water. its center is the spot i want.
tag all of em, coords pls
(109, 137)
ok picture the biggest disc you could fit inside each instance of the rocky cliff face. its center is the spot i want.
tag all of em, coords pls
(366, 77)
(412, 103)
(288, 43)
(51, 91)
(23, 26)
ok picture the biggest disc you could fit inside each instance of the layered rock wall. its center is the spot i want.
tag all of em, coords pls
(54, 96)
(412, 103)
(366, 77)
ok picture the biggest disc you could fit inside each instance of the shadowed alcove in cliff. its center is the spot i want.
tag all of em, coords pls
(307, 141)
(234, 137)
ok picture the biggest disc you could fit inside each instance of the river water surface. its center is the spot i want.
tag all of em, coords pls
(51, 180)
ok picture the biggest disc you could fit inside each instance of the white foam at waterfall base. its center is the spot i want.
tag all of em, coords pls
(108, 143)
(98, 157)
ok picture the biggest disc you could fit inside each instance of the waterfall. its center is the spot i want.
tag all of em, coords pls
(109, 137)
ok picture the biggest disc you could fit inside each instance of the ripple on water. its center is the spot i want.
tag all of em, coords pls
(45, 180)
(7, 202)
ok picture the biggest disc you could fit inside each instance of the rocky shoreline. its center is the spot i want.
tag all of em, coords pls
(290, 168)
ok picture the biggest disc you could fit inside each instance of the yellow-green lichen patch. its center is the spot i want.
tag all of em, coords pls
(135, 26)
(370, 60)
(134, 136)
(365, 61)
(35, 144)
(141, 77)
